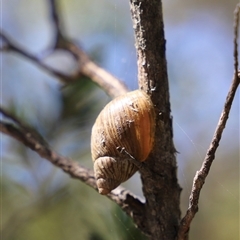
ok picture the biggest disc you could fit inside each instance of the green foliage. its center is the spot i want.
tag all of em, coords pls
(68, 212)
(125, 226)
(79, 99)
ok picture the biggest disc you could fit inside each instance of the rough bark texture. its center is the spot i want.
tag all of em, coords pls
(160, 185)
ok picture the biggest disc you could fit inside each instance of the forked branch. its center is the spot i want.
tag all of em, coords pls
(86, 67)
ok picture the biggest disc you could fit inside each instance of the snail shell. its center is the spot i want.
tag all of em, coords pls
(125, 125)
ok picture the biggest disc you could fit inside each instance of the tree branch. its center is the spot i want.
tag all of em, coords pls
(236, 34)
(86, 67)
(54, 14)
(33, 140)
(201, 175)
(161, 190)
(11, 46)
(111, 85)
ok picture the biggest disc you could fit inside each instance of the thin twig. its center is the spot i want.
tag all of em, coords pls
(86, 67)
(11, 46)
(201, 175)
(129, 202)
(236, 28)
(59, 36)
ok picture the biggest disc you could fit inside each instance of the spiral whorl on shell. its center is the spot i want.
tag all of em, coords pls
(125, 125)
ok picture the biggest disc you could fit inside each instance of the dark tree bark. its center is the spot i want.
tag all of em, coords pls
(160, 185)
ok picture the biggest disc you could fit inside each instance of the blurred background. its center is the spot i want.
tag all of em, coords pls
(39, 201)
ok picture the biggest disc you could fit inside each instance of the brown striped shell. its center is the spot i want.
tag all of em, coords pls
(124, 128)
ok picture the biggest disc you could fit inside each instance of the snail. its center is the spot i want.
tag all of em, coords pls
(124, 129)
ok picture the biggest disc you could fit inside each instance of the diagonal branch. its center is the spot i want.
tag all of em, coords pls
(201, 175)
(126, 200)
(101, 77)
(11, 46)
(86, 67)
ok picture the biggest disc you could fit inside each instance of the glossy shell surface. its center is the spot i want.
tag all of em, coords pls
(125, 125)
